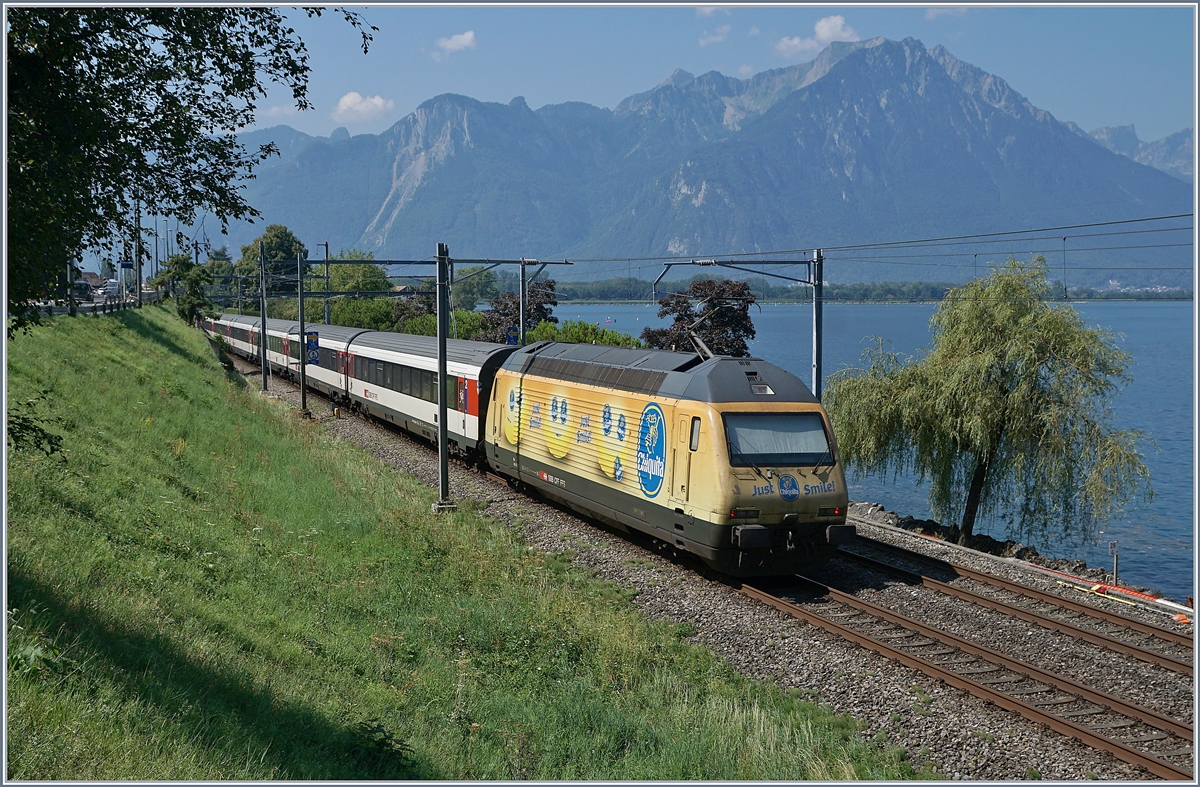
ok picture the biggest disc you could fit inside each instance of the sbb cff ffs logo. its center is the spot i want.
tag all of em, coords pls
(651, 453)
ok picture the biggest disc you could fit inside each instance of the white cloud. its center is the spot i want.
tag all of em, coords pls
(753, 31)
(745, 70)
(279, 111)
(455, 43)
(795, 46)
(943, 10)
(721, 34)
(826, 31)
(709, 10)
(354, 108)
(834, 28)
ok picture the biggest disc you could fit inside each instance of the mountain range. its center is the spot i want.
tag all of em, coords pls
(872, 141)
(1172, 154)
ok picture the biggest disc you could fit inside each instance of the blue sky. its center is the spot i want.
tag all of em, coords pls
(1096, 66)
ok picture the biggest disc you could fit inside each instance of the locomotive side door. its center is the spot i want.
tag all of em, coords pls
(681, 462)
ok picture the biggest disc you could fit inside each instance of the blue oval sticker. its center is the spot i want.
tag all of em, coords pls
(651, 453)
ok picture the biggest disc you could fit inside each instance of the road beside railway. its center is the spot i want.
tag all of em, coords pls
(935, 724)
(203, 586)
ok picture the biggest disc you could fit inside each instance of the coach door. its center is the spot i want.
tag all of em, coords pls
(463, 398)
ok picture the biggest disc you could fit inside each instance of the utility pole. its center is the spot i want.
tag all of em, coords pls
(303, 338)
(70, 289)
(443, 327)
(197, 245)
(137, 246)
(121, 279)
(262, 313)
(818, 302)
(326, 245)
(524, 300)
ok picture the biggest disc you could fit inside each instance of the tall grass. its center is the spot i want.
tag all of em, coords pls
(203, 586)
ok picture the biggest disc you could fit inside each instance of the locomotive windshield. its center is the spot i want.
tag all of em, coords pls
(776, 439)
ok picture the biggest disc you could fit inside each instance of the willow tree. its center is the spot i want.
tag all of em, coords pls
(1008, 411)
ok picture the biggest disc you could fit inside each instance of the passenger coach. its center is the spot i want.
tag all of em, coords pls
(392, 376)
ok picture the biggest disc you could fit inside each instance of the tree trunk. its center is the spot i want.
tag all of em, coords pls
(973, 497)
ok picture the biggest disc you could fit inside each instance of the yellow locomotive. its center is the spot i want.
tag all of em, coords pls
(731, 459)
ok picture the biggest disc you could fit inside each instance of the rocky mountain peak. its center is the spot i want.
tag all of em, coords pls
(678, 78)
(1118, 139)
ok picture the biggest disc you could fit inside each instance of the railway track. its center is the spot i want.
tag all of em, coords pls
(1132, 733)
(1053, 612)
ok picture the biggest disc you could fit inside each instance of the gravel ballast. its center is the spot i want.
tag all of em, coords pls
(964, 737)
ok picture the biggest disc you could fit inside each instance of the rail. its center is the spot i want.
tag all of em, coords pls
(981, 678)
(1031, 616)
(1141, 627)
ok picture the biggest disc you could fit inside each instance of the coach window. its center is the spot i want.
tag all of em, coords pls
(695, 444)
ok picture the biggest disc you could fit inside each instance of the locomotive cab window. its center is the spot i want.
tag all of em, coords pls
(776, 439)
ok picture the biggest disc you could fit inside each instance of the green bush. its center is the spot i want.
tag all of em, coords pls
(580, 332)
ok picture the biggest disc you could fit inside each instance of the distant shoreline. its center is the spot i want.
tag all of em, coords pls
(628, 302)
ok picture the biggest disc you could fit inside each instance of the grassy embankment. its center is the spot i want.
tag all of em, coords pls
(203, 586)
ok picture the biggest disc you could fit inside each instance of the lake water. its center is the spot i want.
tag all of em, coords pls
(1156, 540)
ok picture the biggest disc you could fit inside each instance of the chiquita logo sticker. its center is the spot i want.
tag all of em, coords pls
(512, 415)
(612, 450)
(555, 427)
(651, 451)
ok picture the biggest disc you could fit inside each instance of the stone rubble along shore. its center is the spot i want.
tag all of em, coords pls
(876, 513)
